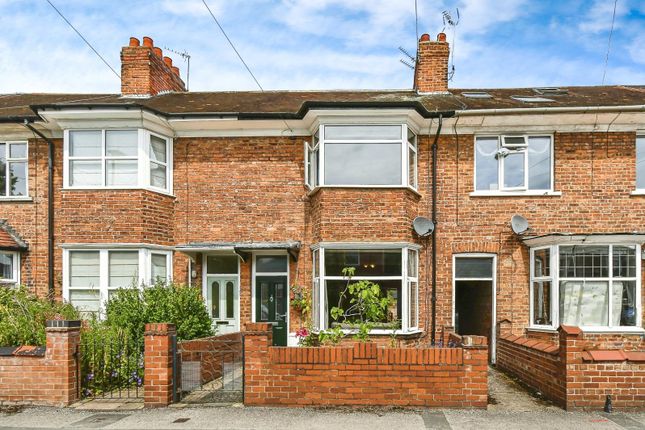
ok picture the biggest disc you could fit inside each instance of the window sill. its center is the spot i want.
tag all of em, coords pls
(637, 193)
(373, 187)
(383, 332)
(542, 329)
(154, 190)
(607, 330)
(515, 194)
(16, 199)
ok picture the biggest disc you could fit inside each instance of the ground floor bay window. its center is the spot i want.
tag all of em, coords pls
(593, 286)
(393, 267)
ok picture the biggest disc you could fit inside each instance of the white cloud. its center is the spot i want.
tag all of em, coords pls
(192, 7)
(636, 49)
(599, 15)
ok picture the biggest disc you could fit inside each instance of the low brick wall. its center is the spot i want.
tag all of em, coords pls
(211, 353)
(43, 376)
(364, 374)
(578, 372)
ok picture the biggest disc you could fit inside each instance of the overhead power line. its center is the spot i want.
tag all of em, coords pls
(84, 39)
(611, 32)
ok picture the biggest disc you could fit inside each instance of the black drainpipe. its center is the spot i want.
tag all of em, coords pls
(50, 208)
(434, 234)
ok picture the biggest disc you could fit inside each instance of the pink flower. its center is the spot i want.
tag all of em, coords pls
(302, 332)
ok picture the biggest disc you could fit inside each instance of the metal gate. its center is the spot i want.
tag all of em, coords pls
(210, 370)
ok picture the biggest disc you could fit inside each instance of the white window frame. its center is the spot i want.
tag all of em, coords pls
(222, 276)
(553, 266)
(511, 191)
(638, 191)
(555, 286)
(144, 269)
(403, 278)
(320, 148)
(15, 269)
(10, 160)
(143, 162)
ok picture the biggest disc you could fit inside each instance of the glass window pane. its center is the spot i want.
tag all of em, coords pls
(539, 163)
(486, 164)
(157, 149)
(316, 263)
(584, 303)
(122, 172)
(18, 150)
(230, 299)
(624, 261)
(6, 265)
(363, 132)
(271, 263)
(383, 262)
(85, 300)
(85, 173)
(363, 164)
(18, 178)
(412, 168)
(413, 294)
(221, 264)
(264, 301)
(640, 162)
(123, 268)
(412, 138)
(624, 303)
(473, 267)
(542, 263)
(3, 169)
(584, 261)
(412, 263)
(85, 143)
(159, 266)
(84, 269)
(215, 299)
(315, 303)
(542, 303)
(158, 175)
(336, 298)
(121, 143)
(514, 170)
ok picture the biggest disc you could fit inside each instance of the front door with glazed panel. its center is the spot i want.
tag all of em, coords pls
(222, 296)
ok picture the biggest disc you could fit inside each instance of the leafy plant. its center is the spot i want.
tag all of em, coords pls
(23, 316)
(367, 305)
(301, 300)
(333, 336)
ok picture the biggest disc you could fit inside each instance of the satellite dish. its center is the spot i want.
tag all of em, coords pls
(423, 226)
(519, 224)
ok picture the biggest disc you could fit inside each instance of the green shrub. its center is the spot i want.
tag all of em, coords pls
(131, 308)
(23, 316)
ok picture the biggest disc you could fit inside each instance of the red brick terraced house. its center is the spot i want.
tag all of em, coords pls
(255, 196)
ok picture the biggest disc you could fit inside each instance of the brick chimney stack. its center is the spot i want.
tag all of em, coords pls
(146, 72)
(431, 71)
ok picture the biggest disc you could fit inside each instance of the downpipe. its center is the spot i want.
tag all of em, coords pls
(433, 239)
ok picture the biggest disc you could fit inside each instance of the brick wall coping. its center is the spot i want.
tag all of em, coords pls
(159, 329)
(570, 330)
(24, 351)
(546, 347)
(63, 324)
(613, 355)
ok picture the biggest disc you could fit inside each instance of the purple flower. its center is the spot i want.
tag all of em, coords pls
(90, 376)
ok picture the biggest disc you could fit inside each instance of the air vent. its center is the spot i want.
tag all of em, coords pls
(551, 91)
(531, 99)
(477, 95)
(514, 142)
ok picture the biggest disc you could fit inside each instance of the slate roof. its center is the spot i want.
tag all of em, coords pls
(294, 104)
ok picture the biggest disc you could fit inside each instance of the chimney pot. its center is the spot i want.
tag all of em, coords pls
(168, 61)
(441, 37)
(425, 37)
(175, 70)
(148, 42)
(134, 41)
(157, 51)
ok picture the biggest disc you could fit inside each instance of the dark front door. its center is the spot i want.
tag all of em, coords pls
(271, 305)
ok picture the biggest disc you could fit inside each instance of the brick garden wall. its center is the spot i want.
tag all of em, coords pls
(43, 376)
(574, 373)
(363, 375)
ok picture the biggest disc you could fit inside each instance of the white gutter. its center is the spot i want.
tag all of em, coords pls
(557, 109)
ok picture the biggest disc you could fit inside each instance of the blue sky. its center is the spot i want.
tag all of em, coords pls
(323, 44)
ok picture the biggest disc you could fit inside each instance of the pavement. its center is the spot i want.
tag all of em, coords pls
(511, 407)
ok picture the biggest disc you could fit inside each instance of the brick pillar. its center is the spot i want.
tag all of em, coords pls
(475, 393)
(158, 361)
(570, 358)
(258, 337)
(62, 354)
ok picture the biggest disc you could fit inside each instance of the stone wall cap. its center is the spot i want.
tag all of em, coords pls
(570, 330)
(63, 324)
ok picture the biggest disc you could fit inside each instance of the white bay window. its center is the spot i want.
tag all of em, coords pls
(362, 155)
(9, 268)
(393, 268)
(13, 170)
(591, 286)
(90, 276)
(134, 158)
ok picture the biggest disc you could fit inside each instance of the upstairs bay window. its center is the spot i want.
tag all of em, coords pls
(362, 155)
(13, 169)
(590, 286)
(117, 159)
(513, 163)
(394, 269)
(640, 163)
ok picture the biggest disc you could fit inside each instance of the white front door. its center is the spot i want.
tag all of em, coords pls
(222, 298)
